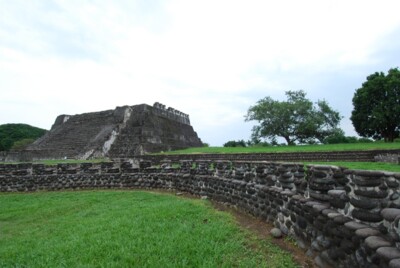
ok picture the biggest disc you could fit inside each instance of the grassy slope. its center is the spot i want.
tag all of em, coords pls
(125, 229)
(287, 149)
(388, 167)
(310, 148)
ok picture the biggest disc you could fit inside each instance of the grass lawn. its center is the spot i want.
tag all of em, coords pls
(310, 148)
(287, 149)
(125, 229)
(361, 165)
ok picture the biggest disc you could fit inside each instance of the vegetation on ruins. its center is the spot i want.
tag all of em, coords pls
(297, 120)
(125, 229)
(18, 135)
(376, 112)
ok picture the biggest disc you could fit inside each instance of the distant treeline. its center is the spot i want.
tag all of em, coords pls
(337, 138)
(17, 136)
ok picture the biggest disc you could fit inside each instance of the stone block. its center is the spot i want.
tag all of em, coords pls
(367, 216)
(364, 203)
(390, 214)
(388, 253)
(366, 232)
(371, 193)
(395, 263)
(375, 242)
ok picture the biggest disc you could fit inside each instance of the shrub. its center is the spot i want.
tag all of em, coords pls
(336, 138)
(239, 143)
(364, 140)
(22, 144)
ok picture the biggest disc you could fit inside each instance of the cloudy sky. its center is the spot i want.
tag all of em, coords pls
(210, 59)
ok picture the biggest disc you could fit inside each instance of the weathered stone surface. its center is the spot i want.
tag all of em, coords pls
(390, 214)
(394, 196)
(341, 219)
(368, 174)
(364, 203)
(328, 211)
(337, 203)
(313, 203)
(368, 182)
(347, 245)
(366, 232)
(333, 215)
(276, 233)
(301, 222)
(321, 197)
(395, 263)
(388, 253)
(371, 193)
(320, 207)
(366, 215)
(374, 242)
(392, 183)
(336, 193)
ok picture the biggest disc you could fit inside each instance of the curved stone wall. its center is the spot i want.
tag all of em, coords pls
(344, 217)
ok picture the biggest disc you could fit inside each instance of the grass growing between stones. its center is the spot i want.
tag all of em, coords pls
(125, 229)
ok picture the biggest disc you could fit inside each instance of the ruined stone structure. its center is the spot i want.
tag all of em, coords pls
(344, 218)
(125, 131)
(352, 156)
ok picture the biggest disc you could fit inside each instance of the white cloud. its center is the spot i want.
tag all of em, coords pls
(211, 59)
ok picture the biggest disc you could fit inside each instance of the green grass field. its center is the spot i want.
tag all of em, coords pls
(290, 149)
(361, 165)
(125, 229)
(309, 148)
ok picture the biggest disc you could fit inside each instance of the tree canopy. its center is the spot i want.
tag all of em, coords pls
(16, 133)
(296, 120)
(376, 111)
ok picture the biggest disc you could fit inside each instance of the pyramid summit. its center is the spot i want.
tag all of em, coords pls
(123, 132)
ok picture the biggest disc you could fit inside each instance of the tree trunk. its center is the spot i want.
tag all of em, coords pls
(288, 140)
(390, 134)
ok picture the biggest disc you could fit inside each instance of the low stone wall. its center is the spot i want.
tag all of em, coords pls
(388, 158)
(33, 155)
(345, 218)
(354, 156)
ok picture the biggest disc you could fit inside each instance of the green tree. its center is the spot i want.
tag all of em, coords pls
(376, 112)
(12, 133)
(22, 144)
(296, 120)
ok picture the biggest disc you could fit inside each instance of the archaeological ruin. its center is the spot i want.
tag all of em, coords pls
(341, 217)
(124, 131)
